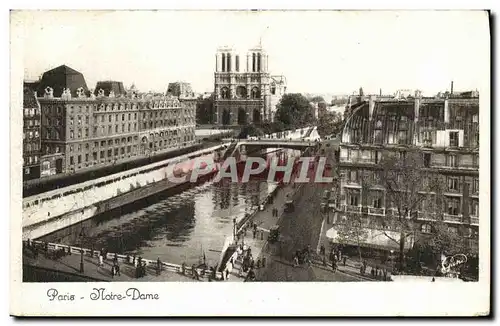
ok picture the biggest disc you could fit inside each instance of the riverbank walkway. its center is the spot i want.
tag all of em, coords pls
(70, 264)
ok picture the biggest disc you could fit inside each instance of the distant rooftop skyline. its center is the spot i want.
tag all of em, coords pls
(330, 52)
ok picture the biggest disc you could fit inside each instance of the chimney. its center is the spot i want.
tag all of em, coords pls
(380, 92)
(451, 91)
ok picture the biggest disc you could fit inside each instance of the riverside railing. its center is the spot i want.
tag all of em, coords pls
(206, 273)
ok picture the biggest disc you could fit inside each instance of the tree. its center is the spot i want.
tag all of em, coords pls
(294, 111)
(330, 123)
(317, 99)
(352, 231)
(408, 185)
(205, 110)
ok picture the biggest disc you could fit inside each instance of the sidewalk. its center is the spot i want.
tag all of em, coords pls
(70, 264)
(264, 220)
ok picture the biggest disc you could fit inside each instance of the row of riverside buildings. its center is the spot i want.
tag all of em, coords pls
(69, 128)
(444, 130)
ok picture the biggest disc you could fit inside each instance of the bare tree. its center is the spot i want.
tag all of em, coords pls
(410, 190)
(352, 231)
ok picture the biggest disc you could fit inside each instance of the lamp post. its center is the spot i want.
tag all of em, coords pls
(234, 230)
(82, 234)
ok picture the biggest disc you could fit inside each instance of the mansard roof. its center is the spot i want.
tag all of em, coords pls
(60, 78)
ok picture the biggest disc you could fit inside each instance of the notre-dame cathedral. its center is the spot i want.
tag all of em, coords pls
(245, 93)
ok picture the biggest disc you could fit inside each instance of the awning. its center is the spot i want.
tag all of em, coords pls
(375, 239)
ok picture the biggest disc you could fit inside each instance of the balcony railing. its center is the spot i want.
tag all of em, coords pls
(471, 166)
(452, 218)
(357, 160)
(376, 211)
(474, 220)
(352, 209)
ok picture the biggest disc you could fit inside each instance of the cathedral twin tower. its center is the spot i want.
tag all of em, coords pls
(245, 96)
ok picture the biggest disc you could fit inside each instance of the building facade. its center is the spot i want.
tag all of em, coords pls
(245, 92)
(444, 131)
(31, 135)
(93, 131)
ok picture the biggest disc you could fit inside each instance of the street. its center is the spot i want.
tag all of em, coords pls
(298, 230)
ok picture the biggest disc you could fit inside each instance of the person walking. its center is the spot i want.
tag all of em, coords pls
(344, 259)
(158, 266)
(117, 270)
(101, 260)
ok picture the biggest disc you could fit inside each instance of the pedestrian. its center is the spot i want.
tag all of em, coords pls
(263, 261)
(262, 235)
(227, 274)
(322, 250)
(117, 270)
(193, 271)
(344, 259)
(385, 274)
(158, 266)
(254, 233)
(334, 266)
(258, 263)
(295, 261)
(372, 272)
(113, 271)
(115, 259)
(133, 262)
(101, 261)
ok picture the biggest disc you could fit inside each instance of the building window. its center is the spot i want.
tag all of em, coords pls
(426, 228)
(116, 151)
(79, 120)
(109, 118)
(116, 128)
(79, 159)
(87, 120)
(71, 160)
(79, 147)
(109, 130)
(71, 121)
(57, 149)
(390, 138)
(452, 160)
(122, 150)
(110, 142)
(377, 203)
(353, 176)
(452, 184)
(86, 132)
(453, 138)
(475, 185)
(109, 153)
(353, 200)
(453, 207)
(102, 154)
(123, 116)
(402, 137)
(427, 160)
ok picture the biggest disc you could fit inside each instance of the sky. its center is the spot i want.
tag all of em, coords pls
(318, 51)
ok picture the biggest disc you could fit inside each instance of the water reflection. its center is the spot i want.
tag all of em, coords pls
(176, 227)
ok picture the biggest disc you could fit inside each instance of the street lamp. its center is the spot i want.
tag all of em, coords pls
(82, 234)
(234, 230)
